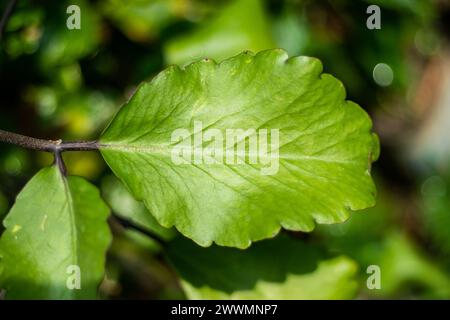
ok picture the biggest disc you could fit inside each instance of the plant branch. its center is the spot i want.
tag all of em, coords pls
(6, 14)
(57, 146)
(125, 223)
(59, 162)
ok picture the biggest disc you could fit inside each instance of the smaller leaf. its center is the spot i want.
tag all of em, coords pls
(55, 232)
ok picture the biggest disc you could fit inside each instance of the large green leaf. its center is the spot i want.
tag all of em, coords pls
(56, 224)
(282, 268)
(241, 25)
(325, 151)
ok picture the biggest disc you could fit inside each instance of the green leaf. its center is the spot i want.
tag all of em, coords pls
(56, 223)
(242, 25)
(282, 268)
(324, 155)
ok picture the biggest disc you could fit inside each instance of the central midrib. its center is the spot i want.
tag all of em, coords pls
(166, 151)
(73, 228)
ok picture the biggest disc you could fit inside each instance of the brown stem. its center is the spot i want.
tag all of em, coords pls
(8, 10)
(55, 147)
(46, 145)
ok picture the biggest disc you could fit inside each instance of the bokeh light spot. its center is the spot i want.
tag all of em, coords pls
(383, 74)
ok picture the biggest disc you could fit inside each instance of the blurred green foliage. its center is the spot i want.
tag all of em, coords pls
(61, 83)
(239, 26)
(282, 268)
(377, 237)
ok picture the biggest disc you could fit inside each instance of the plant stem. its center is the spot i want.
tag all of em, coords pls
(46, 145)
(130, 225)
(59, 162)
(8, 10)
